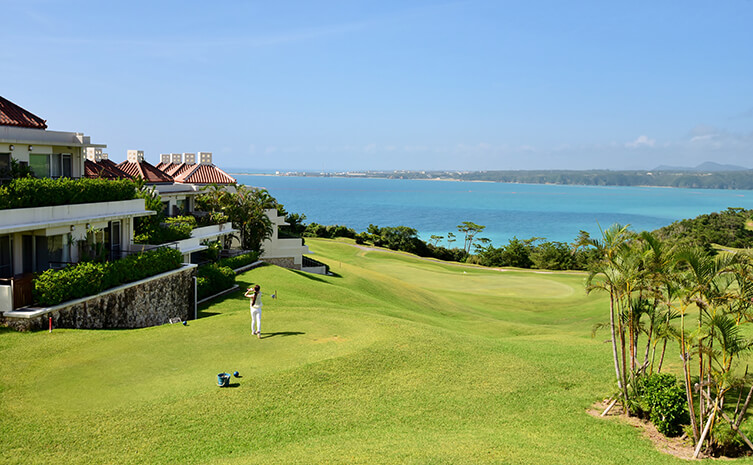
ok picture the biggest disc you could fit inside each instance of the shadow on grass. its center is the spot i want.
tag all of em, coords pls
(281, 333)
(231, 385)
(314, 277)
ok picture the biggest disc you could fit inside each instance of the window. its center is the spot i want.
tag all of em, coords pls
(52, 165)
(182, 205)
(112, 239)
(4, 162)
(6, 261)
(58, 251)
(40, 164)
(67, 165)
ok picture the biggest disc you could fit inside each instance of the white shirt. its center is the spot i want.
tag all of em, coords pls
(258, 301)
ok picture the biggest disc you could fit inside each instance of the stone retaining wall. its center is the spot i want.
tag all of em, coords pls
(149, 302)
(284, 262)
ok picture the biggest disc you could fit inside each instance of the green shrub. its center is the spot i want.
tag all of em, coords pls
(212, 279)
(239, 260)
(329, 232)
(174, 229)
(89, 278)
(47, 192)
(663, 397)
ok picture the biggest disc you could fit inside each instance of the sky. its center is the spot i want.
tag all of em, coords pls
(325, 85)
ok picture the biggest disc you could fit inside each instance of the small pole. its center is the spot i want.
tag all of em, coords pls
(50, 324)
(195, 299)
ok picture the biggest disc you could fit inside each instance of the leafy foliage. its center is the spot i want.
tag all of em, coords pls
(329, 232)
(212, 279)
(239, 260)
(663, 398)
(89, 278)
(173, 229)
(729, 228)
(46, 192)
(245, 208)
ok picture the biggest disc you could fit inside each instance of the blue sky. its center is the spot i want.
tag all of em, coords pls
(338, 85)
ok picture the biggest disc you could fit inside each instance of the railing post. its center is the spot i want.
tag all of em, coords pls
(195, 299)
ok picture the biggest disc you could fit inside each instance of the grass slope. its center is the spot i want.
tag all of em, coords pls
(393, 360)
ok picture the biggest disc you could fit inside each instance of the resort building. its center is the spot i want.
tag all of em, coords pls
(35, 239)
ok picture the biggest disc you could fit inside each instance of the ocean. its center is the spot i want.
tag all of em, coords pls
(554, 212)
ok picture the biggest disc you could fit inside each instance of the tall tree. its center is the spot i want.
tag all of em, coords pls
(469, 230)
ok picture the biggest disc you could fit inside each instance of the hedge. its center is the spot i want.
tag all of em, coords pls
(212, 279)
(47, 192)
(90, 278)
(239, 260)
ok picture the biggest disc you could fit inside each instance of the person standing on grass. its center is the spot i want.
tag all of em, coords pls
(254, 293)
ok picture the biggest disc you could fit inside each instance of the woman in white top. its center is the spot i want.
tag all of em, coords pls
(255, 295)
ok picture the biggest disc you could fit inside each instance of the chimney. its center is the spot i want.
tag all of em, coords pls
(189, 158)
(164, 158)
(135, 156)
(105, 156)
(177, 158)
(205, 158)
(94, 154)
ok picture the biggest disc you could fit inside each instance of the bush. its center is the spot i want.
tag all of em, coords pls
(212, 279)
(47, 192)
(174, 229)
(239, 260)
(551, 256)
(89, 278)
(663, 397)
(329, 232)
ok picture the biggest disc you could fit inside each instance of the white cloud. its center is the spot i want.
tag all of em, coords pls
(641, 141)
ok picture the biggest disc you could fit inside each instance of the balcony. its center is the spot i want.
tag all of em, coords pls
(31, 219)
(198, 235)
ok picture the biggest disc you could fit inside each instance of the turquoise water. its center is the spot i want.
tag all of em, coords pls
(557, 213)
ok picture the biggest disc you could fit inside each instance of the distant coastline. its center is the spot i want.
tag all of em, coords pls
(734, 180)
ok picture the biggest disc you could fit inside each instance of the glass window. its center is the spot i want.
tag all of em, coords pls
(6, 262)
(40, 164)
(55, 165)
(4, 162)
(58, 250)
(182, 207)
(67, 165)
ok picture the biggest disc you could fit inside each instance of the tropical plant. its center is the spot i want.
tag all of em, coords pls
(245, 207)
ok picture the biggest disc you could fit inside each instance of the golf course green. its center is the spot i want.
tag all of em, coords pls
(393, 359)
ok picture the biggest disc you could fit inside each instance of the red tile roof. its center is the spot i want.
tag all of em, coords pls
(13, 115)
(203, 174)
(104, 169)
(147, 171)
(113, 167)
(174, 169)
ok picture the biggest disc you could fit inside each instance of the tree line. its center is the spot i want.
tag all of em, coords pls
(684, 179)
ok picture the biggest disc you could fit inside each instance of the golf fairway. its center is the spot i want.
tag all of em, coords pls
(394, 359)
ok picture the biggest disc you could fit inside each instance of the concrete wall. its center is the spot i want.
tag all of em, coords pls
(276, 250)
(149, 302)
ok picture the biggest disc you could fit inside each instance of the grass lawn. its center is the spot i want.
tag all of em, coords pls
(393, 360)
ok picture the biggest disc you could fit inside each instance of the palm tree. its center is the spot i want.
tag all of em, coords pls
(605, 275)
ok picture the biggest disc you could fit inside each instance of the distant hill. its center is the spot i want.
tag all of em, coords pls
(706, 167)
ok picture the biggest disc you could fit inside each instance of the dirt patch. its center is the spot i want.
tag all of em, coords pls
(680, 447)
